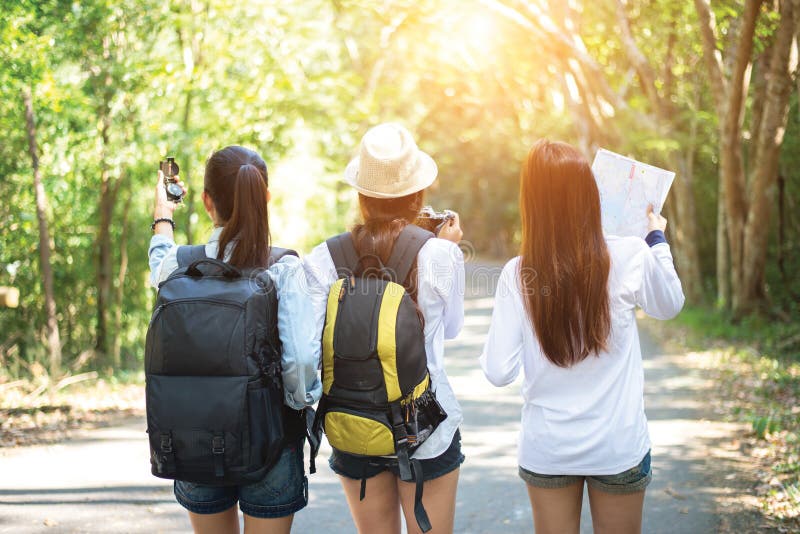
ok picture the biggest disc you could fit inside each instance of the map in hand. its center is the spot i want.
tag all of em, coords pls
(627, 187)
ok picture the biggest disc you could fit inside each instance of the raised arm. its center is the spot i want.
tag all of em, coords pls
(660, 294)
(161, 253)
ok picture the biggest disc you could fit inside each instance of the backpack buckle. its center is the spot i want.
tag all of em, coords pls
(166, 443)
(218, 445)
(218, 452)
(400, 434)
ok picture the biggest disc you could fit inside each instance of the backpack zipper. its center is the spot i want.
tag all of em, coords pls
(221, 302)
(160, 307)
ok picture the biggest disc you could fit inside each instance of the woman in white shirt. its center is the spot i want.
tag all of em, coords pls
(390, 176)
(565, 313)
(235, 196)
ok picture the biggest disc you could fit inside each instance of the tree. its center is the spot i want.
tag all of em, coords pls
(601, 112)
(110, 43)
(53, 338)
(661, 93)
(23, 41)
(748, 194)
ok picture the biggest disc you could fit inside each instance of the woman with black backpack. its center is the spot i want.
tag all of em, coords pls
(235, 196)
(390, 175)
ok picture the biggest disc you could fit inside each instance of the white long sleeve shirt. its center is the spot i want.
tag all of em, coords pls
(440, 297)
(587, 419)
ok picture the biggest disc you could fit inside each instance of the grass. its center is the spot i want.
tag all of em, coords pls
(756, 361)
(778, 338)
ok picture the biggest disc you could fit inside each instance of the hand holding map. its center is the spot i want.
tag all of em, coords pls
(627, 187)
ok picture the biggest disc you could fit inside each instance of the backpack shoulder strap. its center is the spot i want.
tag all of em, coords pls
(343, 253)
(276, 253)
(188, 254)
(405, 250)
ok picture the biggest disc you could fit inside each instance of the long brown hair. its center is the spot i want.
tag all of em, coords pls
(236, 180)
(565, 262)
(384, 219)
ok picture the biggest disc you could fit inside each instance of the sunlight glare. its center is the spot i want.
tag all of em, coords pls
(470, 37)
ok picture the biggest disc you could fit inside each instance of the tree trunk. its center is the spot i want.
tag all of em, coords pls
(723, 263)
(729, 96)
(685, 229)
(190, 40)
(53, 339)
(759, 88)
(106, 211)
(765, 167)
(104, 269)
(731, 174)
(185, 165)
(116, 353)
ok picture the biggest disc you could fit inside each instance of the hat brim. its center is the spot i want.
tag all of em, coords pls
(424, 177)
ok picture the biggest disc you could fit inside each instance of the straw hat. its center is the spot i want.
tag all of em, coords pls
(389, 164)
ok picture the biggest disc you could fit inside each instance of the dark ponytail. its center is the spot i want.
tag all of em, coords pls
(236, 181)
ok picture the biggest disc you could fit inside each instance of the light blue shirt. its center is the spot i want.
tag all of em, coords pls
(296, 320)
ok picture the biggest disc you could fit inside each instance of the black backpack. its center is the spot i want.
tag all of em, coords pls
(214, 392)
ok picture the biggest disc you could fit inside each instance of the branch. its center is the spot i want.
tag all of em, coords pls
(647, 76)
(548, 32)
(739, 79)
(712, 55)
(64, 382)
(669, 63)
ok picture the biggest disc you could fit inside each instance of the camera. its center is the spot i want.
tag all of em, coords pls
(433, 221)
(170, 170)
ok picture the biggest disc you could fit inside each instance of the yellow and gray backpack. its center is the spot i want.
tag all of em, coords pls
(377, 399)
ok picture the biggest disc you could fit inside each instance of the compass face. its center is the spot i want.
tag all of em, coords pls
(174, 189)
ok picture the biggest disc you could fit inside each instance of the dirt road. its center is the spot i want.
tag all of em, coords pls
(99, 482)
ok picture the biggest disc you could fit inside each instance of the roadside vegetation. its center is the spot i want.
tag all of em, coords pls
(31, 413)
(756, 364)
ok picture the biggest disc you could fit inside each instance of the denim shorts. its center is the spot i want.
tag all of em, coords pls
(282, 492)
(362, 467)
(629, 481)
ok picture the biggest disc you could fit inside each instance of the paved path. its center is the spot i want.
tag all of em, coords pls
(99, 482)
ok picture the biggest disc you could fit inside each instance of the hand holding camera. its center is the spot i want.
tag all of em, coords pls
(444, 224)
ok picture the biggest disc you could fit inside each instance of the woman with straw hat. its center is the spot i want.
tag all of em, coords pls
(390, 175)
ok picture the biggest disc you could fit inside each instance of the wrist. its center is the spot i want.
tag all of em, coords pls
(655, 237)
(160, 223)
(162, 213)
